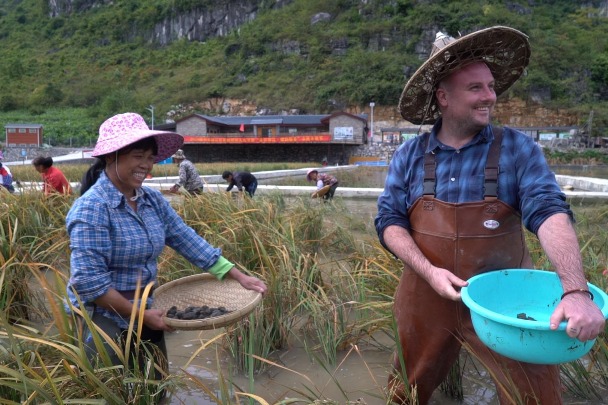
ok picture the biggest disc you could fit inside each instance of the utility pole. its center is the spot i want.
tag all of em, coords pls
(151, 109)
(371, 131)
(590, 140)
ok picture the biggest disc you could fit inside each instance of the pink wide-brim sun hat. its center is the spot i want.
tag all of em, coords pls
(125, 129)
(309, 172)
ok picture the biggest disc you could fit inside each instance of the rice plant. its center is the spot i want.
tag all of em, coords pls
(330, 284)
(44, 363)
(74, 172)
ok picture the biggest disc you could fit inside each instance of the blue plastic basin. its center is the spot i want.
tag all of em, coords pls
(510, 311)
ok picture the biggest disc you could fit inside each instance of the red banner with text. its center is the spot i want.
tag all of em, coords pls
(275, 139)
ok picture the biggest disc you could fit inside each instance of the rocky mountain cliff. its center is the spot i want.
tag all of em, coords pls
(216, 19)
(93, 58)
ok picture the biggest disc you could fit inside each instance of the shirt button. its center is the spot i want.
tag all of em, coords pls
(453, 179)
(458, 151)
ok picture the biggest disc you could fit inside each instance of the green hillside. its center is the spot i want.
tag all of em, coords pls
(71, 71)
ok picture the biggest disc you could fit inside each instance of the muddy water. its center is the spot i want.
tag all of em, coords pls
(360, 374)
(359, 377)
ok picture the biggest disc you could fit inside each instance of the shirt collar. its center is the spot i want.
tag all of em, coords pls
(484, 136)
(114, 197)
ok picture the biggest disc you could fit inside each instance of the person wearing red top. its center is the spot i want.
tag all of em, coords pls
(54, 179)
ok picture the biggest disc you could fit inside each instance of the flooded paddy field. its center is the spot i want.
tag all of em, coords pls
(360, 373)
(295, 371)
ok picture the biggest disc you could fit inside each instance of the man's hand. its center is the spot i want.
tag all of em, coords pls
(174, 189)
(559, 241)
(445, 283)
(585, 320)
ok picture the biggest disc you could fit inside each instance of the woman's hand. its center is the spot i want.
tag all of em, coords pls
(113, 300)
(153, 319)
(248, 282)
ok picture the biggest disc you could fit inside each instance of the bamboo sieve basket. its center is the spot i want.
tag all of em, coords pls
(205, 289)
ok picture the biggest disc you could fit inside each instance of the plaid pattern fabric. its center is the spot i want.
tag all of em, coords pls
(525, 181)
(113, 246)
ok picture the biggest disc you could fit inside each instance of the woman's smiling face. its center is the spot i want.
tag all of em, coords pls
(128, 170)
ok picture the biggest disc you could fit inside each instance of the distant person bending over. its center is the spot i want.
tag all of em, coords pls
(241, 180)
(189, 178)
(322, 180)
(6, 178)
(54, 179)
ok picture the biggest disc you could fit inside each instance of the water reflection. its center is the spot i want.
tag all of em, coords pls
(599, 172)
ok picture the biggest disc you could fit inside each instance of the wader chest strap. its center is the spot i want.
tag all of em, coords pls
(491, 170)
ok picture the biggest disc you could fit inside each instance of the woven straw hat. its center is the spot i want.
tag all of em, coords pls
(125, 129)
(205, 289)
(179, 155)
(504, 50)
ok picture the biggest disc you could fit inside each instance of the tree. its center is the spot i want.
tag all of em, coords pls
(46, 95)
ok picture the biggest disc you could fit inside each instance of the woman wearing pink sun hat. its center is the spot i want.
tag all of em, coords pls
(118, 229)
(326, 184)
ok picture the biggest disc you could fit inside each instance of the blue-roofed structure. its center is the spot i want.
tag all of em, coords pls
(327, 138)
(339, 127)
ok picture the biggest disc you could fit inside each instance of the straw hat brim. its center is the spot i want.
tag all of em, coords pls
(168, 143)
(506, 52)
(205, 289)
(179, 155)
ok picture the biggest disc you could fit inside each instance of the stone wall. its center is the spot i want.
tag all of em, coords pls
(511, 112)
(348, 121)
(193, 126)
(519, 113)
(380, 151)
(15, 154)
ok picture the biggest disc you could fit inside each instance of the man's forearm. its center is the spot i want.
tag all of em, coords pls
(560, 243)
(401, 244)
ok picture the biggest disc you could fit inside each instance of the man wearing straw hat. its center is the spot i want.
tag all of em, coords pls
(467, 177)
